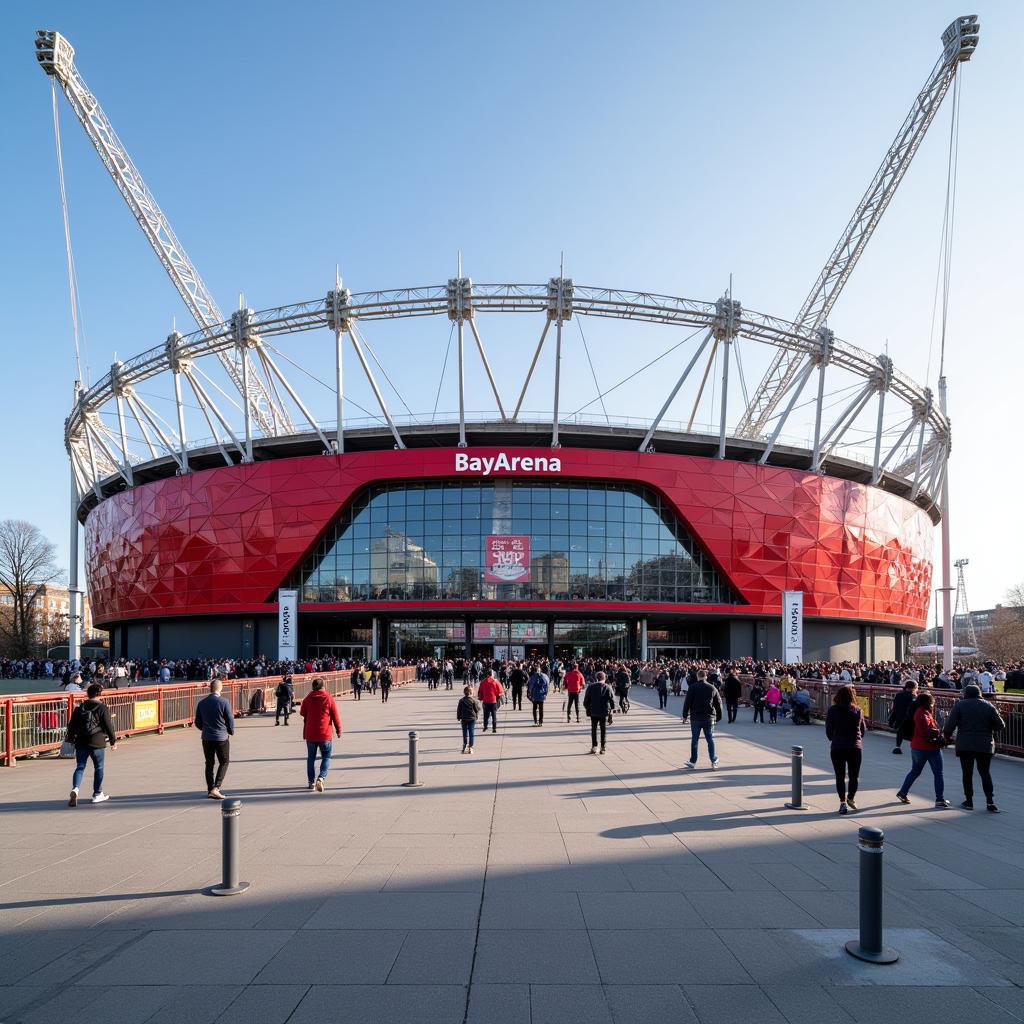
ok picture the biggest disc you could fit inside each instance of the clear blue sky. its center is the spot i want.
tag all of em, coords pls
(663, 146)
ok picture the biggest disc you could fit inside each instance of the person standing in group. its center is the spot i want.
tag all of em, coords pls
(844, 726)
(773, 698)
(901, 717)
(285, 694)
(757, 695)
(356, 680)
(319, 717)
(599, 703)
(926, 744)
(489, 694)
(216, 721)
(975, 722)
(90, 730)
(574, 683)
(661, 684)
(517, 680)
(385, 684)
(467, 711)
(537, 691)
(704, 706)
(732, 689)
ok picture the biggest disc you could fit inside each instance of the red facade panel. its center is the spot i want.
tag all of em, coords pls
(222, 541)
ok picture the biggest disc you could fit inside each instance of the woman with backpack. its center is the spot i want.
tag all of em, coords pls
(467, 712)
(90, 729)
(926, 743)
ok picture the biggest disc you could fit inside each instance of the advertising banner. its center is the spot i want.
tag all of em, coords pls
(792, 626)
(507, 559)
(287, 623)
(145, 714)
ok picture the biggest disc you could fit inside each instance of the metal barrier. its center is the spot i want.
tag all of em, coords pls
(36, 722)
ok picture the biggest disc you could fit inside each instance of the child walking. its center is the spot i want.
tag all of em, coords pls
(468, 711)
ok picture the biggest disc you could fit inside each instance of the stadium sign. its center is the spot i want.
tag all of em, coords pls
(485, 465)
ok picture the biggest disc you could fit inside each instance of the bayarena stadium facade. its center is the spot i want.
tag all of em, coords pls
(229, 511)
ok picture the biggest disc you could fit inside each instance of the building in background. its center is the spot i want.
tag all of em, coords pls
(51, 617)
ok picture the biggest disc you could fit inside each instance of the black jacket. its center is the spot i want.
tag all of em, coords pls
(702, 703)
(94, 713)
(975, 723)
(902, 708)
(598, 700)
(469, 709)
(732, 687)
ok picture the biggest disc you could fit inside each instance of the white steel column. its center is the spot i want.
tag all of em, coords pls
(74, 604)
(827, 338)
(560, 292)
(675, 391)
(462, 385)
(947, 571)
(339, 339)
(375, 638)
(643, 639)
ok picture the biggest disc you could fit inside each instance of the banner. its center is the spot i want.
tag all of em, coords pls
(507, 559)
(145, 714)
(287, 623)
(792, 627)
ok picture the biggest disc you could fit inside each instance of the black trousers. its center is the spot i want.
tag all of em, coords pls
(759, 713)
(517, 698)
(538, 712)
(847, 764)
(663, 698)
(984, 762)
(221, 749)
(284, 707)
(385, 692)
(574, 700)
(357, 692)
(732, 706)
(594, 724)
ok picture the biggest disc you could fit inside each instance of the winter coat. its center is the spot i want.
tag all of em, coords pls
(703, 704)
(469, 710)
(537, 690)
(598, 700)
(97, 713)
(319, 713)
(975, 722)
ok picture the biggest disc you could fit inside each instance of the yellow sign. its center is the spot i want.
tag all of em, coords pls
(146, 714)
(864, 704)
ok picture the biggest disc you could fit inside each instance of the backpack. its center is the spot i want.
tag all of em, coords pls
(87, 724)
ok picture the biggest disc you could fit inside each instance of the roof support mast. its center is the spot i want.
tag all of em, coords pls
(958, 44)
(56, 56)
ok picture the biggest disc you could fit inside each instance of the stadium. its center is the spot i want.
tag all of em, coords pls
(227, 511)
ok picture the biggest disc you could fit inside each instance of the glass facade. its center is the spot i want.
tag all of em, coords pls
(586, 542)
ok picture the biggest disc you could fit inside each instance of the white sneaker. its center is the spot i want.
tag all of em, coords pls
(319, 785)
(690, 764)
(593, 750)
(99, 798)
(714, 764)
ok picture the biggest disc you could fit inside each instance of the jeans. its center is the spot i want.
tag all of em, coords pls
(313, 747)
(595, 724)
(573, 702)
(222, 750)
(491, 712)
(847, 762)
(920, 758)
(468, 732)
(538, 712)
(708, 728)
(984, 762)
(284, 707)
(732, 706)
(82, 757)
(663, 698)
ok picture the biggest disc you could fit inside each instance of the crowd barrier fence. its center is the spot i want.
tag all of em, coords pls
(34, 723)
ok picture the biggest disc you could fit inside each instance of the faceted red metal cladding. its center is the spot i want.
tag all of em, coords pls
(223, 540)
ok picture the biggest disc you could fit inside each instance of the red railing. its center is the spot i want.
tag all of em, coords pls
(32, 723)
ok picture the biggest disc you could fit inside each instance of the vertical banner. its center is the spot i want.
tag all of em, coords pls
(287, 623)
(507, 558)
(792, 626)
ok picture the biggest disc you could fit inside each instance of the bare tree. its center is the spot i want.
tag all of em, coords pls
(1015, 596)
(27, 565)
(1003, 640)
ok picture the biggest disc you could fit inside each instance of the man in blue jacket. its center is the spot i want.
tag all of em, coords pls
(537, 691)
(217, 722)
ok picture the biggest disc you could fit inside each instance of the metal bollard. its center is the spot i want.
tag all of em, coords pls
(413, 782)
(796, 801)
(869, 946)
(230, 885)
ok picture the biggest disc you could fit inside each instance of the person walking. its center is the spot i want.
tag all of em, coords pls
(901, 717)
(975, 722)
(732, 689)
(537, 691)
(90, 730)
(757, 695)
(467, 711)
(319, 717)
(773, 698)
(357, 682)
(285, 694)
(844, 726)
(574, 684)
(489, 694)
(385, 684)
(661, 684)
(704, 706)
(623, 682)
(216, 721)
(599, 703)
(517, 681)
(926, 744)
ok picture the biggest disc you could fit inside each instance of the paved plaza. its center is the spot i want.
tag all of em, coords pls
(532, 883)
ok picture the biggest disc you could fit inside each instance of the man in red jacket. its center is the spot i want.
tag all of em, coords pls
(574, 683)
(489, 693)
(319, 715)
